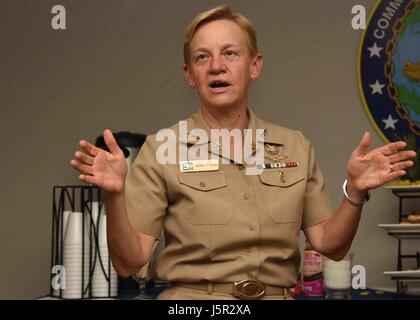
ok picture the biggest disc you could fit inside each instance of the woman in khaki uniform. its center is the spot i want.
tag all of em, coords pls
(229, 234)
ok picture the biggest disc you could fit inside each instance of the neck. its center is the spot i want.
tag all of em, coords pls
(229, 118)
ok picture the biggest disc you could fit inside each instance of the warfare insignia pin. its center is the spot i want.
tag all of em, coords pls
(272, 149)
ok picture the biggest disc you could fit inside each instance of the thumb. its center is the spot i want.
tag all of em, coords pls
(110, 142)
(364, 144)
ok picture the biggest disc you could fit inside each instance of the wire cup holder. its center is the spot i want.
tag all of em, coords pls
(81, 267)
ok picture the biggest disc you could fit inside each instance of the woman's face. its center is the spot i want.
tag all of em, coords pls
(220, 64)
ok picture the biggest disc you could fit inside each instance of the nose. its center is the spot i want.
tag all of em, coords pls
(217, 64)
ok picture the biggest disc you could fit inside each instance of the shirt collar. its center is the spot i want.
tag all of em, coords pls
(269, 134)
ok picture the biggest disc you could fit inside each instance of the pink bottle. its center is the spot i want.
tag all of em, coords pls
(313, 282)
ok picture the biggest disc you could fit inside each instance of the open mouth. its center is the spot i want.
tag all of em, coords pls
(217, 84)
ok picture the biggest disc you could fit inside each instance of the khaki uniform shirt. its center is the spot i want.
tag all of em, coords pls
(224, 225)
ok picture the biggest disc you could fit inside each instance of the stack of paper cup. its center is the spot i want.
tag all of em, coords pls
(101, 287)
(90, 220)
(65, 218)
(84, 248)
(62, 224)
(72, 256)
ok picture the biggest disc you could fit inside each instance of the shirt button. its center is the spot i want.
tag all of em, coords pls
(251, 227)
(202, 184)
(246, 196)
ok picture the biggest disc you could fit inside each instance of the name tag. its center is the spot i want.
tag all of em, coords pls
(199, 165)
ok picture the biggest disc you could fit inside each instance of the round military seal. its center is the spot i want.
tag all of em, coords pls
(389, 70)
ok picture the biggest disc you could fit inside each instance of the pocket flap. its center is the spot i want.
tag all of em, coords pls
(289, 178)
(203, 181)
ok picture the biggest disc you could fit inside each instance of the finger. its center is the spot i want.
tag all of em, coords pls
(402, 165)
(88, 179)
(364, 144)
(400, 156)
(111, 142)
(89, 148)
(394, 175)
(82, 168)
(83, 158)
(392, 148)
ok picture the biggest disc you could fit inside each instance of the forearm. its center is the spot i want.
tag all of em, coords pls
(340, 230)
(123, 242)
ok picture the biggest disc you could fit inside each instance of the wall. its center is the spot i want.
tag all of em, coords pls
(118, 66)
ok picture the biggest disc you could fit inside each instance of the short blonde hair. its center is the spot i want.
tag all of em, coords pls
(219, 13)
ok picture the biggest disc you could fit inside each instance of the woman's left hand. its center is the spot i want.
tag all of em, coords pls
(371, 169)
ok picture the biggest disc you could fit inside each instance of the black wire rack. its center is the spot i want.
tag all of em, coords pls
(404, 195)
(79, 198)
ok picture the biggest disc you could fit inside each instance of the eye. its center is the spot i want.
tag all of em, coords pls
(201, 57)
(230, 53)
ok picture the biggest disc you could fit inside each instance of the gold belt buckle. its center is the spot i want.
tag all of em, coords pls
(248, 289)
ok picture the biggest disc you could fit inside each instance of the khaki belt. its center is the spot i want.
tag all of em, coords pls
(245, 289)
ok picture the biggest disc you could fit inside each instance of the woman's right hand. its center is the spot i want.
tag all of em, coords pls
(107, 170)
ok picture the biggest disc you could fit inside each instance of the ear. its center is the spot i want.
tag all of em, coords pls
(256, 66)
(188, 76)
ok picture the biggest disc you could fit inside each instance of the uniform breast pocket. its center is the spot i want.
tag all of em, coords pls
(283, 193)
(206, 198)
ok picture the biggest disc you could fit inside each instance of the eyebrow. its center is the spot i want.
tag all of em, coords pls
(228, 45)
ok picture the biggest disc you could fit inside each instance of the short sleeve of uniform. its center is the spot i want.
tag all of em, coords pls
(317, 205)
(145, 188)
